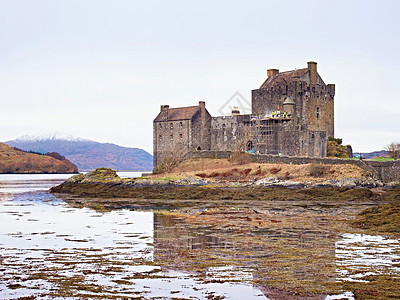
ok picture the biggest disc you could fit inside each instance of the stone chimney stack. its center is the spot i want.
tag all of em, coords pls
(272, 72)
(312, 68)
(165, 110)
(202, 105)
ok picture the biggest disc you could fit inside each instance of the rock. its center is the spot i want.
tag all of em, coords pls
(191, 181)
(289, 184)
(75, 179)
(103, 175)
(347, 182)
(266, 181)
(274, 182)
(152, 182)
(371, 183)
(324, 184)
(392, 184)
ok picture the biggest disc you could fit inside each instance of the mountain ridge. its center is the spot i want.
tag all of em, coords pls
(87, 154)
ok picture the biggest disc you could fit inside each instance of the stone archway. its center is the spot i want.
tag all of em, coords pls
(249, 146)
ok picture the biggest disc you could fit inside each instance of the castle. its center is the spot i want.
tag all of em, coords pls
(292, 115)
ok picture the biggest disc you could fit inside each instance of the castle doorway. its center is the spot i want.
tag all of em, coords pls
(249, 146)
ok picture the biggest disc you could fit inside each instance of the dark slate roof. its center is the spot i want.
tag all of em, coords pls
(283, 78)
(176, 114)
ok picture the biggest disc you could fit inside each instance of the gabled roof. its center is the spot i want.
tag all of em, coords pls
(283, 78)
(176, 114)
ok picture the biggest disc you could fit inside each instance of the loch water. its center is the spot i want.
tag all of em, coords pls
(50, 250)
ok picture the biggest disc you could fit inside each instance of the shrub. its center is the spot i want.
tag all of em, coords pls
(55, 155)
(202, 175)
(337, 140)
(214, 174)
(318, 170)
(258, 172)
(227, 174)
(245, 172)
(275, 170)
(241, 158)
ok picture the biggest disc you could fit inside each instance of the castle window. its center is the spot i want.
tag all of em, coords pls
(312, 135)
(287, 87)
(160, 137)
(181, 124)
(313, 89)
(223, 126)
(181, 136)
(160, 126)
(172, 137)
(171, 125)
(317, 112)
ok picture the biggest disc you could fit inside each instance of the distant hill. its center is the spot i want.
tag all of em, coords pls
(375, 154)
(17, 161)
(88, 155)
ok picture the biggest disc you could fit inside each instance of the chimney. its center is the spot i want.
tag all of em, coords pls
(202, 106)
(165, 108)
(312, 69)
(272, 72)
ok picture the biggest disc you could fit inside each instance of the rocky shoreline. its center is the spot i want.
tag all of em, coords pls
(108, 177)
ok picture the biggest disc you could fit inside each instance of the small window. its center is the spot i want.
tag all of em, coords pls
(160, 137)
(172, 137)
(317, 112)
(313, 136)
(181, 136)
(160, 126)
(181, 124)
(171, 125)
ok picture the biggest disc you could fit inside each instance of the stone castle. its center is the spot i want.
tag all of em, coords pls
(292, 115)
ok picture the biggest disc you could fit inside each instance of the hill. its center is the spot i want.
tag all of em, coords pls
(88, 155)
(375, 154)
(17, 161)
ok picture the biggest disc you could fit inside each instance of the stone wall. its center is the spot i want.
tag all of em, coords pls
(229, 133)
(386, 171)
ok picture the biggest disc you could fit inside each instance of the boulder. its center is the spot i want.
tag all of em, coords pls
(191, 181)
(266, 181)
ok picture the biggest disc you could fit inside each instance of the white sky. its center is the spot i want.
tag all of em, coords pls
(100, 69)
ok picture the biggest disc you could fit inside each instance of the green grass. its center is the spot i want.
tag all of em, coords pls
(382, 159)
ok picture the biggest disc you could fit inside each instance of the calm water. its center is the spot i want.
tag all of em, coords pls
(51, 250)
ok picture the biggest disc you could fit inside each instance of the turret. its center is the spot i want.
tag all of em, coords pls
(289, 106)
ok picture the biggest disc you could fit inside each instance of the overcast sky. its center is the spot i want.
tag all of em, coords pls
(100, 69)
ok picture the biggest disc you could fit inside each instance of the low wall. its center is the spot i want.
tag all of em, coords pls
(383, 170)
(208, 154)
(387, 170)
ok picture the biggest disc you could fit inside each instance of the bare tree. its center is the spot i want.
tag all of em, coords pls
(393, 150)
(171, 157)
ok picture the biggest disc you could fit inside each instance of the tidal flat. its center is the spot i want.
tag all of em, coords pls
(204, 242)
(290, 244)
